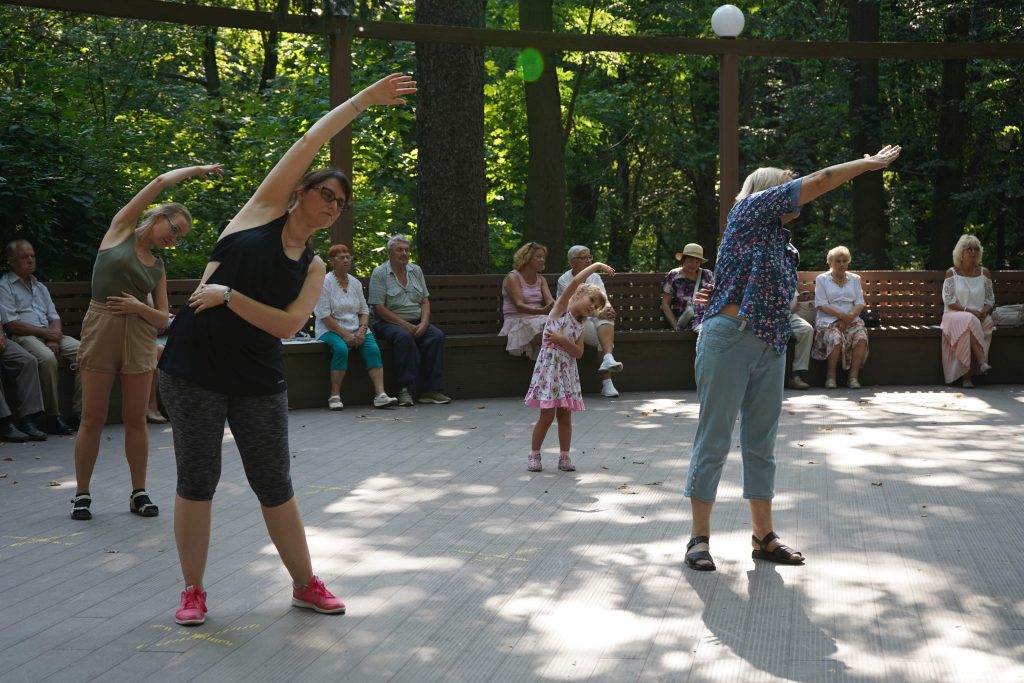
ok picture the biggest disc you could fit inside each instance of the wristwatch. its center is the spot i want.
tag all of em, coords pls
(227, 296)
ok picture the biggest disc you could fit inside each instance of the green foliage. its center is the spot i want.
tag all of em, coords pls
(92, 108)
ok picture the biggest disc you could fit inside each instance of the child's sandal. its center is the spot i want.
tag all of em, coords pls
(80, 509)
(140, 504)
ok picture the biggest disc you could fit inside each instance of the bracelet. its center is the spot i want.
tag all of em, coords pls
(351, 101)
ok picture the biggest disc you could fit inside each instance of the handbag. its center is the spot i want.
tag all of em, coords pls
(1010, 315)
(686, 315)
(871, 317)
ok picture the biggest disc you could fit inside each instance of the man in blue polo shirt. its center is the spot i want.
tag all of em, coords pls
(30, 319)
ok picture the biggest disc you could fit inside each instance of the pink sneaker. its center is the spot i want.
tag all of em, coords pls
(533, 463)
(565, 464)
(314, 595)
(192, 610)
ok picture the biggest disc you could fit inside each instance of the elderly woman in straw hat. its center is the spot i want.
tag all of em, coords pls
(681, 313)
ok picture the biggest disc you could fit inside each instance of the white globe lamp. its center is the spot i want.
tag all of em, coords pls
(727, 21)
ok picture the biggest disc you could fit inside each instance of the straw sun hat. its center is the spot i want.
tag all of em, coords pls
(692, 249)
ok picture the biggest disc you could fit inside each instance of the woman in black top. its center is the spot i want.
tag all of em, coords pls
(222, 359)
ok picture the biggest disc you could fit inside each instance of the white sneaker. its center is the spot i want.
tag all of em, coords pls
(608, 389)
(383, 401)
(334, 403)
(609, 364)
(984, 369)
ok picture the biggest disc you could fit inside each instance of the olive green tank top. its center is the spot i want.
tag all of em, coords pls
(119, 269)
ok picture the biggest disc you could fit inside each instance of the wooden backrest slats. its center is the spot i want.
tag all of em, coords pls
(471, 304)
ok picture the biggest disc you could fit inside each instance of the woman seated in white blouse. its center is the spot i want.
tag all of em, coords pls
(342, 318)
(839, 333)
(966, 318)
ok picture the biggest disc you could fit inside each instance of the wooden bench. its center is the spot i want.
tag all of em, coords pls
(904, 350)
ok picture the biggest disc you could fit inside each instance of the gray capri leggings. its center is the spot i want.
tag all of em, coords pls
(258, 423)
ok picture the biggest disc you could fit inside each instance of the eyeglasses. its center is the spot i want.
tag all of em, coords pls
(972, 249)
(176, 233)
(328, 196)
(588, 257)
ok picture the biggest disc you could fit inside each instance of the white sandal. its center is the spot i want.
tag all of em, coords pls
(334, 403)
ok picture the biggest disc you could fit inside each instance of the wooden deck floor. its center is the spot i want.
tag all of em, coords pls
(458, 565)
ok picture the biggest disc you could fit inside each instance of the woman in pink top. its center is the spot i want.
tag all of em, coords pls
(967, 316)
(526, 301)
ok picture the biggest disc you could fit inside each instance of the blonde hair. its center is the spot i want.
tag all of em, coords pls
(525, 253)
(964, 242)
(165, 211)
(836, 251)
(591, 290)
(764, 178)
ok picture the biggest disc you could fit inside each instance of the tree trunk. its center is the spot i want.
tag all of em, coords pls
(947, 223)
(210, 63)
(544, 210)
(451, 191)
(870, 222)
(270, 43)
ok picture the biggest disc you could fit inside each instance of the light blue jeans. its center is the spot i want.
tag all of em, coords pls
(737, 374)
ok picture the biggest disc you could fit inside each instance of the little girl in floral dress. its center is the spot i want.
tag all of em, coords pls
(555, 387)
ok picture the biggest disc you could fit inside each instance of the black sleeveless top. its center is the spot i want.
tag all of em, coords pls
(218, 350)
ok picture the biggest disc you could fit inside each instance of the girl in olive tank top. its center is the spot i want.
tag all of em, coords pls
(119, 332)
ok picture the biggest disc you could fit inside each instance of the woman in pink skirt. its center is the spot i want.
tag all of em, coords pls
(526, 301)
(966, 319)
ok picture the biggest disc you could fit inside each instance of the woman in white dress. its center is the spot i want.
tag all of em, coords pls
(966, 318)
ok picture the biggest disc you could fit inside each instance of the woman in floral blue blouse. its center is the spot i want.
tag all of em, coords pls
(741, 351)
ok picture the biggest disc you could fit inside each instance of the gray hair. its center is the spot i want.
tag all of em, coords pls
(764, 178)
(395, 239)
(576, 250)
(12, 246)
(837, 251)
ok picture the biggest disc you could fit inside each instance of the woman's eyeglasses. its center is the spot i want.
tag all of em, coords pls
(328, 196)
(971, 249)
(176, 233)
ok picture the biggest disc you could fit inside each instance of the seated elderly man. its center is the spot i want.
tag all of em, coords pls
(29, 317)
(400, 304)
(599, 330)
(21, 370)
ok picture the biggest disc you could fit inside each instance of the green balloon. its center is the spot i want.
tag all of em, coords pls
(531, 63)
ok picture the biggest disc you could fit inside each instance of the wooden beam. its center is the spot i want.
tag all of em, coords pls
(197, 15)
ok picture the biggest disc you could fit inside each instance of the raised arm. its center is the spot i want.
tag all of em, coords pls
(563, 299)
(272, 196)
(828, 179)
(125, 220)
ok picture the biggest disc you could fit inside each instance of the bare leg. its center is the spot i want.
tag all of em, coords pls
(564, 416)
(701, 525)
(761, 521)
(856, 360)
(540, 430)
(192, 534)
(833, 361)
(134, 393)
(284, 523)
(96, 388)
(337, 376)
(977, 354)
(377, 377)
(153, 407)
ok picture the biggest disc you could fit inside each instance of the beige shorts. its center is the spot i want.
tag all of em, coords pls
(117, 344)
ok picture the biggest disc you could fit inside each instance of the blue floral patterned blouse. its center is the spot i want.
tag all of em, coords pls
(757, 264)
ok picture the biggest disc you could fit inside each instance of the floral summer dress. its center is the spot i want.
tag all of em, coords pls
(556, 381)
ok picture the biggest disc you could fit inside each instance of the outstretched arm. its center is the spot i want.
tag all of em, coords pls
(563, 299)
(272, 196)
(125, 220)
(828, 179)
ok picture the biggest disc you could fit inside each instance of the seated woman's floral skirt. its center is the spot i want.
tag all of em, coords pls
(958, 327)
(827, 337)
(521, 330)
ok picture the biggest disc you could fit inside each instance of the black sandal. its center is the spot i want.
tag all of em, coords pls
(140, 504)
(81, 503)
(701, 556)
(782, 554)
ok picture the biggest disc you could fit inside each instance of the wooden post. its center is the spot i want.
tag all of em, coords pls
(340, 77)
(728, 135)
